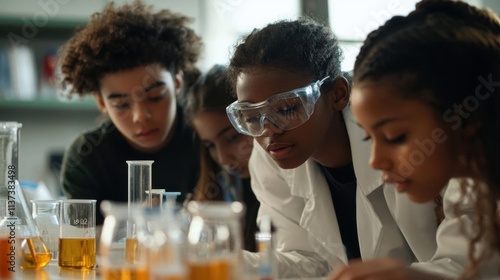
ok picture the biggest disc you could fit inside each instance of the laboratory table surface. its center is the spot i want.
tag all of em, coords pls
(53, 272)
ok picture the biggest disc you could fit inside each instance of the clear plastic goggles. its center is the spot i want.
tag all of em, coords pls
(286, 110)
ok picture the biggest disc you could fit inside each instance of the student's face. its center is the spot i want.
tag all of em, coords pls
(141, 103)
(289, 148)
(226, 146)
(410, 142)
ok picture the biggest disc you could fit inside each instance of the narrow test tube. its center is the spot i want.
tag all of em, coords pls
(139, 183)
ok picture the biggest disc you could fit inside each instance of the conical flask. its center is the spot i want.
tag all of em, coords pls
(22, 228)
(9, 144)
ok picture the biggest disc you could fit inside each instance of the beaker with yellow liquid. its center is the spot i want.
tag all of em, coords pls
(215, 241)
(77, 242)
(121, 255)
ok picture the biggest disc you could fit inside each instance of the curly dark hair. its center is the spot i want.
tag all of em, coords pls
(122, 38)
(302, 45)
(443, 51)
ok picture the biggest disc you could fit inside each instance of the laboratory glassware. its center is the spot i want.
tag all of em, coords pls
(121, 257)
(34, 253)
(214, 240)
(139, 182)
(77, 242)
(46, 216)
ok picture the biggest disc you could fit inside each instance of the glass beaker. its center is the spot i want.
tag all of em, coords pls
(215, 240)
(77, 242)
(164, 243)
(157, 197)
(121, 256)
(46, 216)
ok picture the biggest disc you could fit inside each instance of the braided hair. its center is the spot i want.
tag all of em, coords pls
(447, 53)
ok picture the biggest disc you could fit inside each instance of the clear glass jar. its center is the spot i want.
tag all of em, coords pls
(120, 254)
(215, 240)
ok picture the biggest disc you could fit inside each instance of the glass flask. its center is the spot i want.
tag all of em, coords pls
(9, 149)
(120, 254)
(8, 257)
(214, 241)
(33, 252)
(46, 216)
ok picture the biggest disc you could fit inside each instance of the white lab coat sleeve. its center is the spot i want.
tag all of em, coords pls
(295, 255)
(451, 256)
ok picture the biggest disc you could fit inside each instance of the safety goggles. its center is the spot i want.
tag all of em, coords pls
(286, 110)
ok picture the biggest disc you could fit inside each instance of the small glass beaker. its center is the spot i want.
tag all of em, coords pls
(215, 240)
(164, 243)
(121, 255)
(77, 242)
(46, 216)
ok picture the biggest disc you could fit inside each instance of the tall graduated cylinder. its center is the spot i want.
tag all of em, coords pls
(77, 242)
(215, 241)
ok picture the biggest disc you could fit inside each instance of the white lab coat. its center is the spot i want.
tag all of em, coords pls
(308, 241)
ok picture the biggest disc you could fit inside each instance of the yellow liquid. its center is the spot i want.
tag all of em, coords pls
(77, 252)
(126, 274)
(35, 253)
(213, 270)
(131, 250)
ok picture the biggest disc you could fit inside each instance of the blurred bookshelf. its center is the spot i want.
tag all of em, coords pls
(86, 104)
(28, 54)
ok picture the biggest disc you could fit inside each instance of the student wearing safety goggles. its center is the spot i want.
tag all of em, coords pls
(309, 165)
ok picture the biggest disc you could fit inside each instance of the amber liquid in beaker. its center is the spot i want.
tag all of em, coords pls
(35, 253)
(211, 270)
(77, 252)
(126, 273)
(131, 250)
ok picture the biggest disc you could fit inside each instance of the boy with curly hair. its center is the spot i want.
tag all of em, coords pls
(134, 63)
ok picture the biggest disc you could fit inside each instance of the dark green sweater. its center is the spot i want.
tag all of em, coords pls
(94, 165)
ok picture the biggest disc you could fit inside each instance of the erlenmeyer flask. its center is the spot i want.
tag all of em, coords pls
(24, 231)
(9, 144)
(34, 253)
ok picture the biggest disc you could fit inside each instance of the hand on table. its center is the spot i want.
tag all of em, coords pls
(380, 269)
